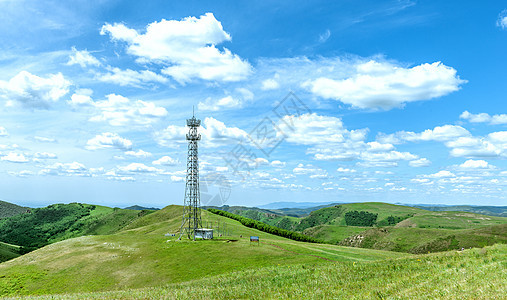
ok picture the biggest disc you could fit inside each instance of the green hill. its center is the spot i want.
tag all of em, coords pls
(43, 226)
(398, 228)
(469, 274)
(8, 251)
(9, 209)
(141, 256)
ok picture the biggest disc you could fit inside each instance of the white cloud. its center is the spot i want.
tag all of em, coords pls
(166, 161)
(82, 58)
(484, 118)
(45, 155)
(270, 84)
(138, 168)
(441, 174)
(44, 139)
(33, 91)
(422, 162)
(502, 19)
(476, 164)
(66, 169)
(225, 102)
(108, 140)
(439, 133)
(214, 133)
(3, 131)
(492, 145)
(177, 178)
(15, 158)
(120, 111)
(324, 36)
(81, 97)
(22, 174)
(385, 85)
(241, 96)
(131, 78)
(313, 171)
(345, 170)
(386, 159)
(189, 46)
(138, 154)
(278, 164)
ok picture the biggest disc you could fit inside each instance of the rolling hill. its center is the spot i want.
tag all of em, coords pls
(57, 222)
(398, 228)
(9, 209)
(140, 262)
(140, 256)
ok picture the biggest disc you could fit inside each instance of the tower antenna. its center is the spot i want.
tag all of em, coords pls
(191, 220)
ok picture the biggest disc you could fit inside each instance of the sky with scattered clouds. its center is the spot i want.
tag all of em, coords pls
(397, 101)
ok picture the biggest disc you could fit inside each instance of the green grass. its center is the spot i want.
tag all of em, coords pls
(8, 251)
(141, 256)
(469, 274)
(9, 209)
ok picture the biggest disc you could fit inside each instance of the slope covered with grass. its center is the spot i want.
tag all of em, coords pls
(9, 209)
(8, 251)
(57, 222)
(141, 256)
(469, 274)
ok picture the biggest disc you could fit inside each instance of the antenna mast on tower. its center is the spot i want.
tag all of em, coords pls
(192, 203)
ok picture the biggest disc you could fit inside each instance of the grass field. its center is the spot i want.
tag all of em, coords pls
(8, 251)
(469, 274)
(141, 256)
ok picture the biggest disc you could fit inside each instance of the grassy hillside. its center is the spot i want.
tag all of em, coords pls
(420, 231)
(9, 209)
(8, 251)
(469, 274)
(141, 256)
(43, 226)
(498, 211)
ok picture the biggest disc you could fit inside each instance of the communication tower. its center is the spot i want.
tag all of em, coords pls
(191, 207)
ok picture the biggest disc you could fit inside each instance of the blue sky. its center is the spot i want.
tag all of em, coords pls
(398, 101)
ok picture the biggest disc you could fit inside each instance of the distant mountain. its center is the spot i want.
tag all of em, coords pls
(9, 209)
(497, 211)
(137, 207)
(279, 205)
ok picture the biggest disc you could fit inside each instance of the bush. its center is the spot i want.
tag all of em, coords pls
(360, 218)
(265, 227)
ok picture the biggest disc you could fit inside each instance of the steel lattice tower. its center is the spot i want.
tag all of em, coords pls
(191, 210)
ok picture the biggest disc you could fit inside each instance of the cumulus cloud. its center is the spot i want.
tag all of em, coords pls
(502, 19)
(492, 145)
(32, 91)
(108, 140)
(484, 118)
(311, 170)
(81, 97)
(45, 155)
(15, 158)
(138, 154)
(138, 168)
(120, 111)
(277, 164)
(188, 46)
(439, 133)
(270, 84)
(441, 174)
(3, 131)
(384, 85)
(422, 162)
(166, 161)
(241, 96)
(130, 77)
(214, 134)
(82, 58)
(476, 164)
(65, 169)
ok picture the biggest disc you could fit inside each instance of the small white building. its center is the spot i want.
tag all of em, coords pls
(204, 233)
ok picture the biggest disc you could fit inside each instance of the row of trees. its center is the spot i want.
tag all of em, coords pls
(360, 218)
(265, 227)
